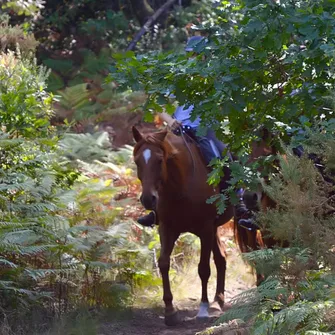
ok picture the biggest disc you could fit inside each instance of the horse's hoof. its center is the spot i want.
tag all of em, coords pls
(216, 306)
(172, 319)
(203, 314)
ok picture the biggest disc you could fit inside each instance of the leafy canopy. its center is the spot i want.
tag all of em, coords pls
(266, 63)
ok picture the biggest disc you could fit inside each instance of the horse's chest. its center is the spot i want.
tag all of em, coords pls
(186, 213)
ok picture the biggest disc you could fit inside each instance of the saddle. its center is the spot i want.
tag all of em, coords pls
(189, 131)
(192, 136)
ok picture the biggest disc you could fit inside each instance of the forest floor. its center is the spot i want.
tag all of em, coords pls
(147, 315)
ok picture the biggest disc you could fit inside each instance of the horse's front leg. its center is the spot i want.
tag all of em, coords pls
(220, 263)
(167, 239)
(204, 270)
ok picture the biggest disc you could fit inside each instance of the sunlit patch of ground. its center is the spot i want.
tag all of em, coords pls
(186, 286)
(147, 314)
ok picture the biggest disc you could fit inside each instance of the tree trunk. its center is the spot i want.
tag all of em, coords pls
(142, 10)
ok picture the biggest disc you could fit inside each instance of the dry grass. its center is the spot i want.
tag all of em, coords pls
(186, 284)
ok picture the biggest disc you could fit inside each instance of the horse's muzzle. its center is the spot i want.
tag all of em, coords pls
(149, 201)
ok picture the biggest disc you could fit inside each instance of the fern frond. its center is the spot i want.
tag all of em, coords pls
(6, 262)
(34, 249)
(38, 274)
(97, 264)
(295, 317)
(317, 332)
(86, 147)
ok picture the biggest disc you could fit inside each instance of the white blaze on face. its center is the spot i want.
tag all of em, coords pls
(146, 155)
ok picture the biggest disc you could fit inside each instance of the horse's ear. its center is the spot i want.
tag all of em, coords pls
(265, 134)
(136, 134)
(160, 136)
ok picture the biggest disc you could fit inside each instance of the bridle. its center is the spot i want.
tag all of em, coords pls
(182, 131)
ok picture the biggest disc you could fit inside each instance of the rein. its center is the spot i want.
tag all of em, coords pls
(181, 132)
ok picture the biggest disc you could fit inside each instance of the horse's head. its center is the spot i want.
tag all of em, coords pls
(264, 146)
(151, 153)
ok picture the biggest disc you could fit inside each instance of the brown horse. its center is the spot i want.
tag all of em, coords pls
(174, 184)
(258, 200)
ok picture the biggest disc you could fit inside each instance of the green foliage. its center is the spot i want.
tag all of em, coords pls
(107, 194)
(14, 37)
(172, 34)
(91, 70)
(25, 107)
(29, 187)
(297, 297)
(91, 105)
(305, 197)
(266, 64)
(78, 247)
(113, 27)
(60, 248)
(271, 65)
(22, 7)
(286, 306)
(86, 147)
(80, 53)
(109, 24)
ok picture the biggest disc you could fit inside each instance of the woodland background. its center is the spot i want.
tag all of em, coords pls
(69, 93)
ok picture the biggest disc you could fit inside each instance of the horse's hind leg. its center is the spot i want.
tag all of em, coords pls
(220, 263)
(167, 243)
(205, 271)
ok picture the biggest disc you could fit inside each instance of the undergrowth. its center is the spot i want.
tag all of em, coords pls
(67, 235)
(297, 296)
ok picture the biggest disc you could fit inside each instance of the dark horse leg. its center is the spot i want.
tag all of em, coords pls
(167, 244)
(220, 259)
(204, 270)
(220, 263)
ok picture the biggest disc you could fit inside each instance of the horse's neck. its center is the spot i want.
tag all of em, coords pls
(185, 168)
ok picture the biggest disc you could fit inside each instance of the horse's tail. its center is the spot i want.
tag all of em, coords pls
(247, 240)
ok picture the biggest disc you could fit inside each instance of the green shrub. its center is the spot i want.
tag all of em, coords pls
(12, 37)
(25, 106)
(52, 254)
(297, 296)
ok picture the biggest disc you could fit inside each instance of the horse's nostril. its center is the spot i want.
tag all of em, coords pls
(154, 200)
(149, 201)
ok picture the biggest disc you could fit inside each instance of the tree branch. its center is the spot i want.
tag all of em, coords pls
(149, 23)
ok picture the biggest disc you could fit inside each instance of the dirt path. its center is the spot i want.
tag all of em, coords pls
(151, 322)
(146, 320)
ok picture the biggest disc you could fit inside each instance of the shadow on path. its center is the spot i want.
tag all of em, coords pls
(151, 322)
